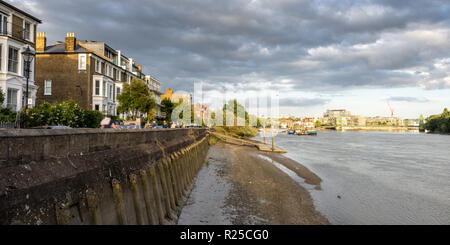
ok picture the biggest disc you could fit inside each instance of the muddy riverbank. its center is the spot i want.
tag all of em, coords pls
(240, 185)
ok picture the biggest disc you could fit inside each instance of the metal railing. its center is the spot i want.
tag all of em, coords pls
(9, 125)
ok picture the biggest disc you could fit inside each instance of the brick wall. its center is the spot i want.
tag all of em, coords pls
(95, 176)
(67, 81)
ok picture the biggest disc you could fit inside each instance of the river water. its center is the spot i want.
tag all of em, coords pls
(377, 177)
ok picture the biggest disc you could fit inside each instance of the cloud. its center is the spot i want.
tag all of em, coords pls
(409, 99)
(303, 102)
(314, 45)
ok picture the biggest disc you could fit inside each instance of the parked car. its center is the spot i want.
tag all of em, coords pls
(52, 127)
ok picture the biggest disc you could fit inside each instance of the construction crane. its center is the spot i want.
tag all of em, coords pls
(390, 108)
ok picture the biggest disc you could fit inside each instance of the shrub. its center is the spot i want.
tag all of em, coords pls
(238, 131)
(67, 113)
(439, 123)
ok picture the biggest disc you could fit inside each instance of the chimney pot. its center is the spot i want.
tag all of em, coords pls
(70, 42)
(41, 42)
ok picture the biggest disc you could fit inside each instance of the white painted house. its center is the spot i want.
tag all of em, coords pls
(17, 32)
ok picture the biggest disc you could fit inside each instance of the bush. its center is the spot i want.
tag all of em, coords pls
(92, 119)
(6, 115)
(238, 131)
(439, 123)
(66, 113)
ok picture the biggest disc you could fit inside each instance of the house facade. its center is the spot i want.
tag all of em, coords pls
(155, 86)
(177, 97)
(17, 32)
(89, 72)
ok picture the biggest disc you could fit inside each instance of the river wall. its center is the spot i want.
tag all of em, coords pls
(97, 176)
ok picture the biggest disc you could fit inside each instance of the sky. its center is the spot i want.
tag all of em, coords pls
(317, 55)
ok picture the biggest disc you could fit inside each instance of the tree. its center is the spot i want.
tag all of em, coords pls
(167, 108)
(2, 97)
(136, 98)
(240, 115)
(318, 124)
(439, 123)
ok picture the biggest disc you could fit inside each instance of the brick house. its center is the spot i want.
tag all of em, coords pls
(17, 32)
(89, 72)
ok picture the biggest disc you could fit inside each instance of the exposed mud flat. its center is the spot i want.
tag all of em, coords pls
(242, 186)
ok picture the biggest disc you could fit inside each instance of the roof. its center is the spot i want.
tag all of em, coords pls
(20, 11)
(60, 48)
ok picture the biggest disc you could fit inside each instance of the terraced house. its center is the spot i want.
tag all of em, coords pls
(89, 72)
(17, 31)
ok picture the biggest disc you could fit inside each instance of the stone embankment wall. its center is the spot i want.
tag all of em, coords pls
(94, 176)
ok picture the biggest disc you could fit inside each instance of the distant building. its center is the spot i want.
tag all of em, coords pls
(337, 113)
(202, 112)
(176, 97)
(384, 121)
(89, 72)
(155, 86)
(411, 122)
(17, 32)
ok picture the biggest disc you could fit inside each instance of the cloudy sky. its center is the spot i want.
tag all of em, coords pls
(318, 54)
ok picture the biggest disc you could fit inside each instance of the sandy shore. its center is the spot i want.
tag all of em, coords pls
(240, 185)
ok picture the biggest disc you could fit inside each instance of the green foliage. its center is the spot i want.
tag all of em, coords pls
(92, 119)
(6, 115)
(2, 97)
(439, 123)
(66, 113)
(236, 108)
(238, 131)
(318, 124)
(167, 108)
(136, 97)
(258, 123)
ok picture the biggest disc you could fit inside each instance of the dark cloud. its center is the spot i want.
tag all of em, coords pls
(409, 99)
(304, 102)
(315, 45)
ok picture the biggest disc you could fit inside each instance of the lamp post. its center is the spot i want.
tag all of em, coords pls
(28, 56)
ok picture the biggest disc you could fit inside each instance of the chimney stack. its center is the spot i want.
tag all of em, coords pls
(41, 42)
(71, 41)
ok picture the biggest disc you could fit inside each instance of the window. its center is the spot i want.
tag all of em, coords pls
(118, 91)
(11, 102)
(27, 31)
(104, 89)
(110, 91)
(1, 55)
(3, 24)
(98, 66)
(114, 94)
(97, 107)
(82, 62)
(47, 87)
(13, 59)
(97, 87)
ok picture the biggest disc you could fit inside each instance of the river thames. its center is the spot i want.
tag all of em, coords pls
(377, 177)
